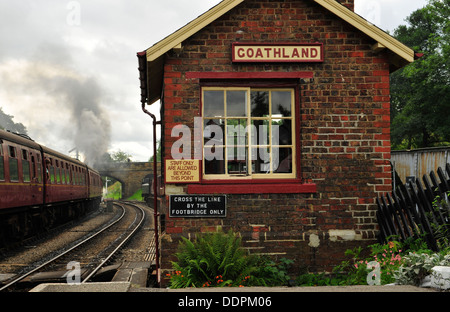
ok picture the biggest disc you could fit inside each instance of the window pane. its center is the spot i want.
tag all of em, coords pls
(281, 103)
(52, 174)
(2, 168)
(213, 131)
(282, 159)
(213, 104)
(260, 132)
(26, 171)
(281, 132)
(12, 151)
(237, 132)
(39, 170)
(58, 175)
(260, 103)
(236, 103)
(13, 169)
(214, 160)
(261, 160)
(25, 166)
(237, 160)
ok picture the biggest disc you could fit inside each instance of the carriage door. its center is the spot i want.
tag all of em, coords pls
(36, 181)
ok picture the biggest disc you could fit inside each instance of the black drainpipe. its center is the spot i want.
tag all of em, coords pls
(155, 190)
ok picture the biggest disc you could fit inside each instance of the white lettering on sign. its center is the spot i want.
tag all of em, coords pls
(277, 53)
(197, 206)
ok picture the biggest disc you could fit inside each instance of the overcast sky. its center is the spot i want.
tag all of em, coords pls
(63, 63)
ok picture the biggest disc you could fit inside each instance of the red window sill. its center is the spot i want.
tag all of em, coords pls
(254, 188)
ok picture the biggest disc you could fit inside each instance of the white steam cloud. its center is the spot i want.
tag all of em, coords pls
(60, 94)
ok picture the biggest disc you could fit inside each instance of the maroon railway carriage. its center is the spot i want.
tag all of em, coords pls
(39, 187)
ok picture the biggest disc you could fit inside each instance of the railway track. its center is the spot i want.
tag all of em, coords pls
(92, 252)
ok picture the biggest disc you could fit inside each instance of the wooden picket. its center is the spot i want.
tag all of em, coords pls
(417, 210)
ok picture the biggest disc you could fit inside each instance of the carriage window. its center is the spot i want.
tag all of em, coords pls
(13, 165)
(26, 166)
(64, 174)
(77, 176)
(2, 164)
(39, 168)
(52, 171)
(58, 173)
(33, 168)
(248, 133)
(72, 175)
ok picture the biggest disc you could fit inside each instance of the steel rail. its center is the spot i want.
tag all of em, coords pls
(21, 277)
(93, 272)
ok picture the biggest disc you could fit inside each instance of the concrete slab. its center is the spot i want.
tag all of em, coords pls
(139, 277)
(122, 275)
(136, 264)
(88, 287)
(134, 272)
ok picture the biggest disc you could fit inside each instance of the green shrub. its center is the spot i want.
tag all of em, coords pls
(218, 260)
(212, 260)
(356, 270)
(269, 273)
(418, 265)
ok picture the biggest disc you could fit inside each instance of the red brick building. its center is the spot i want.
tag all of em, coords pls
(308, 81)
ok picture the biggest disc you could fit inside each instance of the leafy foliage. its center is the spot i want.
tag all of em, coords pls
(418, 265)
(269, 273)
(212, 258)
(114, 191)
(355, 271)
(420, 92)
(218, 260)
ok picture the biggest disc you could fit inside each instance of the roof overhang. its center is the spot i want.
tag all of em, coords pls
(175, 39)
(382, 39)
(151, 61)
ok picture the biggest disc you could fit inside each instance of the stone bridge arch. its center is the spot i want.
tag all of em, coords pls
(130, 174)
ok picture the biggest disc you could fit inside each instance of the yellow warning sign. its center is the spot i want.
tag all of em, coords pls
(182, 170)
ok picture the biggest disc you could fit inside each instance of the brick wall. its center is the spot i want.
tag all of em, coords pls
(344, 133)
(130, 174)
(348, 3)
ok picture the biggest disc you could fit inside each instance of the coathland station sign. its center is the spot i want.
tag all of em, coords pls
(259, 52)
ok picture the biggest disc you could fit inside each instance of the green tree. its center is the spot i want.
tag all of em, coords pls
(158, 152)
(420, 92)
(121, 156)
